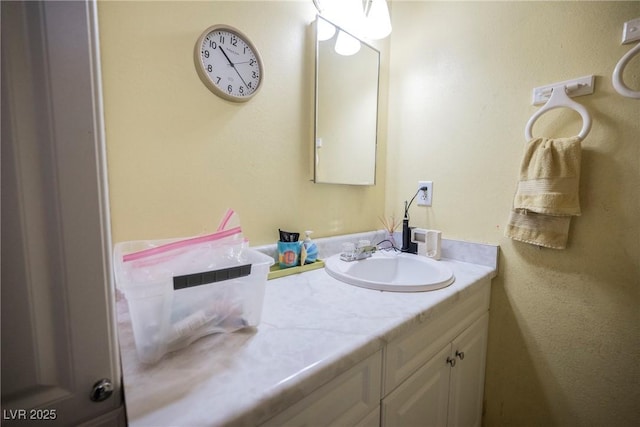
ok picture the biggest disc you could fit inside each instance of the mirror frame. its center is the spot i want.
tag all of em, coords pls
(316, 106)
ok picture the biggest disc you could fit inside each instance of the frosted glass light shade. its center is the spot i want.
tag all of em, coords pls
(378, 22)
(325, 30)
(347, 14)
(346, 44)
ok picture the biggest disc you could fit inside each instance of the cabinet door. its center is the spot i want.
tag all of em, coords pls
(352, 398)
(422, 399)
(371, 420)
(467, 376)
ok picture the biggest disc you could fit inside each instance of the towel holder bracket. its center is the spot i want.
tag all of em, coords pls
(575, 87)
(631, 31)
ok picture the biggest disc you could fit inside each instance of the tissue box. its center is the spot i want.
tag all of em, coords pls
(176, 297)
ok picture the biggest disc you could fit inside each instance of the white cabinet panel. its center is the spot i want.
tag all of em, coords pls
(421, 400)
(345, 401)
(371, 420)
(467, 376)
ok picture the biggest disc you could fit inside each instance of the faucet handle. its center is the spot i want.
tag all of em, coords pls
(363, 243)
(348, 251)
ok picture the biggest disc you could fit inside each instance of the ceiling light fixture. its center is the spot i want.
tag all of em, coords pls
(364, 19)
(346, 44)
(378, 22)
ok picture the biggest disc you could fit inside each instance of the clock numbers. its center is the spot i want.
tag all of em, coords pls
(228, 63)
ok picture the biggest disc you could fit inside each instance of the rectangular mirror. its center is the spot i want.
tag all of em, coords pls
(346, 119)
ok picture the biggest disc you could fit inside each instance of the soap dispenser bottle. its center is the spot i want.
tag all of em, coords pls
(310, 247)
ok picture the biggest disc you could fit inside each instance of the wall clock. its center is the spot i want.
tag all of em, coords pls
(228, 63)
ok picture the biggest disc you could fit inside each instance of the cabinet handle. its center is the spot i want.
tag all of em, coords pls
(460, 354)
(451, 361)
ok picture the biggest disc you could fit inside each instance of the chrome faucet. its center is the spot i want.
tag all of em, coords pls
(357, 254)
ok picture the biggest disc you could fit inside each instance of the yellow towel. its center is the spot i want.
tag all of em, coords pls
(547, 192)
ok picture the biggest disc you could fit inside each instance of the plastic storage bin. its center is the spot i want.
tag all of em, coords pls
(180, 295)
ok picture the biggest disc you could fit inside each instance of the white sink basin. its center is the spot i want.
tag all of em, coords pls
(392, 272)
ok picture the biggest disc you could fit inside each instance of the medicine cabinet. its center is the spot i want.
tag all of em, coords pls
(346, 109)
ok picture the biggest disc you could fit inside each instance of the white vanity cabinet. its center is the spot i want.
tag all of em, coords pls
(434, 374)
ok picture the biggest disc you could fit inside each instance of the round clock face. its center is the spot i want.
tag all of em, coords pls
(228, 63)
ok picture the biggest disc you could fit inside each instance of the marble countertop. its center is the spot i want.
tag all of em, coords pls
(313, 327)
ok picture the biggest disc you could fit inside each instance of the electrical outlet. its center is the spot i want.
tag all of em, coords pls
(425, 198)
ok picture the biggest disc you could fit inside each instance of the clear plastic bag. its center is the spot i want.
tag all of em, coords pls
(170, 253)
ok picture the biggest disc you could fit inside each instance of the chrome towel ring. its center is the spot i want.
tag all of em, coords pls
(617, 78)
(560, 99)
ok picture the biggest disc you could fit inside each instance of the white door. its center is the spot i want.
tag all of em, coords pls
(58, 323)
(422, 399)
(467, 376)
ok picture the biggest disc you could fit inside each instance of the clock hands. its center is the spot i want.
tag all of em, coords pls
(232, 65)
(226, 56)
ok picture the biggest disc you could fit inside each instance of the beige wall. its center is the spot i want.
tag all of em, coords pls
(179, 156)
(564, 338)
